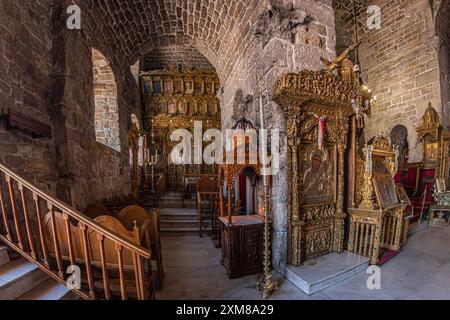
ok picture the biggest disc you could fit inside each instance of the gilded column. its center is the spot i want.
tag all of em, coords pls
(295, 235)
(340, 214)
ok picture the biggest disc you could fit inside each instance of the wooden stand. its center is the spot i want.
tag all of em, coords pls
(242, 245)
(379, 223)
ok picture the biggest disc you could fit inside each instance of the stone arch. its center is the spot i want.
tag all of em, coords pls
(399, 139)
(415, 148)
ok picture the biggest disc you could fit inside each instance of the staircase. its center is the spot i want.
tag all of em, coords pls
(171, 199)
(40, 230)
(174, 199)
(23, 280)
(178, 221)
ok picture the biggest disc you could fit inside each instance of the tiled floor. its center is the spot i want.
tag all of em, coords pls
(420, 271)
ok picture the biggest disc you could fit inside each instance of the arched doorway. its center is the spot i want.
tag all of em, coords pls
(179, 88)
(399, 139)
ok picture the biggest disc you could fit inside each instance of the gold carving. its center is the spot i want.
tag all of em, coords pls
(315, 228)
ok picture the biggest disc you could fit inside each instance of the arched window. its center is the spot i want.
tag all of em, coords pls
(106, 106)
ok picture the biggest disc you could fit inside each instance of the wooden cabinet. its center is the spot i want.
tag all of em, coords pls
(242, 245)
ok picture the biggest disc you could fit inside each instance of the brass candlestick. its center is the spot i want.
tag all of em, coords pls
(265, 282)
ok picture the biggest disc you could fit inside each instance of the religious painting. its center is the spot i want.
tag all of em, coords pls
(432, 153)
(178, 86)
(182, 107)
(198, 88)
(161, 108)
(383, 182)
(188, 87)
(157, 87)
(440, 185)
(147, 88)
(402, 195)
(172, 108)
(168, 88)
(319, 179)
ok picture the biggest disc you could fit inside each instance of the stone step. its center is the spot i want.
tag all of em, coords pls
(172, 197)
(19, 277)
(50, 290)
(325, 272)
(177, 224)
(4, 257)
(181, 217)
(177, 212)
(170, 205)
(183, 231)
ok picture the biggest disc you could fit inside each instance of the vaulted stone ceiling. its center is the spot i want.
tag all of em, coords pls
(220, 29)
(170, 56)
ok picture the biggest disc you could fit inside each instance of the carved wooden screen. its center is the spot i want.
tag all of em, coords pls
(318, 108)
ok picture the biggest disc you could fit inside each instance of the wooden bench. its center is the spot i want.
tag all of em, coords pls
(114, 267)
(135, 215)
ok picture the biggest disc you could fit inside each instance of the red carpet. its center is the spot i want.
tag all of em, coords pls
(386, 256)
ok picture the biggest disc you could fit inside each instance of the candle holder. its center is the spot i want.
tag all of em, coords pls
(265, 283)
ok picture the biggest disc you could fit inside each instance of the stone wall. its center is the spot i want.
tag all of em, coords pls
(26, 86)
(88, 170)
(173, 55)
(443, 30)
(399, 63)
(107, 129)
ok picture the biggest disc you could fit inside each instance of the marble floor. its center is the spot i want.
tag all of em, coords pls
(420, 272)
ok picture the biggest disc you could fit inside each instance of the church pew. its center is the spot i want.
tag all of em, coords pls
(114, 268)
(138, 215)
(96, 210)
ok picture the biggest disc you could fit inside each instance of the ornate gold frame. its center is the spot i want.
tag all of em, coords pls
(318, 229)
(430, 133)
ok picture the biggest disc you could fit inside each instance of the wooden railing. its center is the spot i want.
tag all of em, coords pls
(22, 227)
(373, 230)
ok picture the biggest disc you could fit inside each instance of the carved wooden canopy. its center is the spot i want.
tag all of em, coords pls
(316, 218)
(294, 90)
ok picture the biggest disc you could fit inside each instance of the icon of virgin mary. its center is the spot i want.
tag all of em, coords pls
(318, 180)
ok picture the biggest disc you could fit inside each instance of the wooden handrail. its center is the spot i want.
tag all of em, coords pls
(76, 214)
(59, 243)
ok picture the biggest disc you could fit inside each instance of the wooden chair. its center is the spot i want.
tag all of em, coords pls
(206, 195)
(137, 215)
